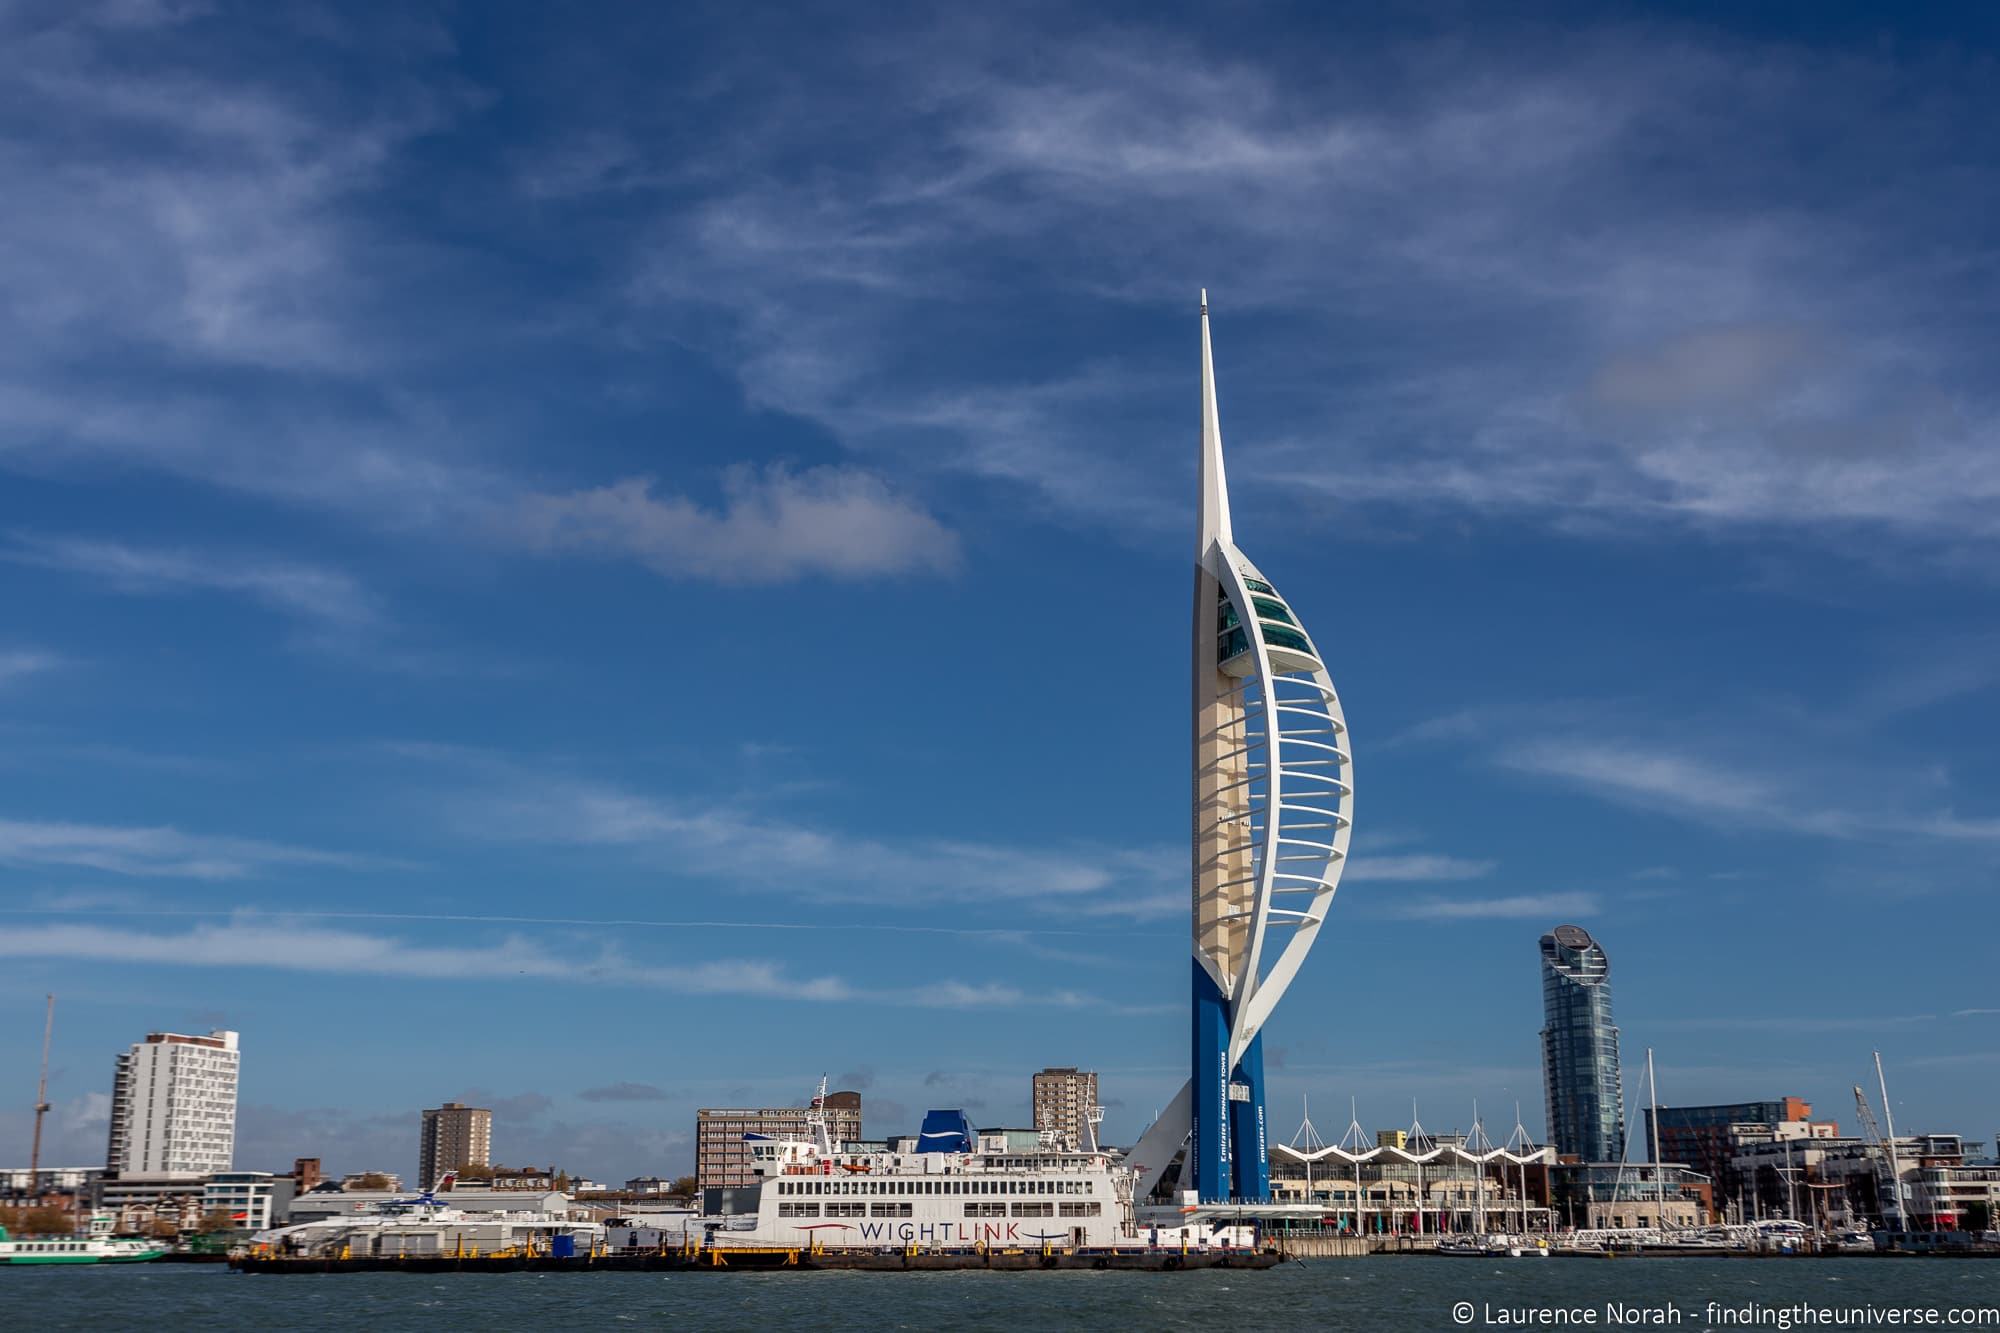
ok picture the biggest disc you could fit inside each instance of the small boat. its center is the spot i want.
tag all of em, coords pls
(1496, 1245)
(97, 1248)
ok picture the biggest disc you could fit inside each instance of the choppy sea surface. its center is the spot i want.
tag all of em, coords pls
(1384, 1292)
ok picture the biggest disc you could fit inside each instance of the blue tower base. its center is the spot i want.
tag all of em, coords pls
(1252, 1174)
(1226, 1157)
(1207, 1168)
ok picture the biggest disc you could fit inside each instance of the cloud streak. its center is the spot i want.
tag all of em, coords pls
(623, 1092)
(1673, 359)
(774, 525)
(283, 945)
(312, 593)
(18, 664)
(1660, 780)
(160, 850)
(513, 802)
(1528, 906)
(1415, 867)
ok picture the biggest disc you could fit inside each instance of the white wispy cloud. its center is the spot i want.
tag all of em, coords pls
(749, 842)
(1657, 778)
(310, 592)
(128, 906)
(284, 945)
(221, 222)
(1673, 363)
(1526, 906)
(18, 664)
(773, 525)
(1673, 355)
(1796, 1022)
(1416, 867)
(159, 850)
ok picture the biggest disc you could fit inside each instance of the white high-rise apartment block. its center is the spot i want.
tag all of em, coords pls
(173, 1105)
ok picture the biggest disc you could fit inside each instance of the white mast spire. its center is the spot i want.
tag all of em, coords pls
(1214, 484)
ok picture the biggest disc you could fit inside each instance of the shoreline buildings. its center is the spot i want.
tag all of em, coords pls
(453, 1136)
(1580, 1073)
(1273, 807)
(1708, 1138)
(722, 1157)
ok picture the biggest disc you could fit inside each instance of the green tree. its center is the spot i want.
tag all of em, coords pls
(1978, 1216)
(36, 1221)
(684, 1185)
(216, 1220)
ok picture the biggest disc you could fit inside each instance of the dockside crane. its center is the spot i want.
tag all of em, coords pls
(41, 1102)
(1887, 1165)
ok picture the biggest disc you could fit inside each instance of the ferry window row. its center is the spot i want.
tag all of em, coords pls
(1023, 1208)
(878, 1209)
(956, 1186)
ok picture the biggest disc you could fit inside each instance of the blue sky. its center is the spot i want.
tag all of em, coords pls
(611, 559)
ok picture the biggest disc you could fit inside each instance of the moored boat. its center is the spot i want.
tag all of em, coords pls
(99, 1247)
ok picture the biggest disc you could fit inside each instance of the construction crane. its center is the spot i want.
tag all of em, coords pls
(41, 1102)
(1887, 1164)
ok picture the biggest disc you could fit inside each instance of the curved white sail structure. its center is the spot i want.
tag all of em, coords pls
(1273, 813)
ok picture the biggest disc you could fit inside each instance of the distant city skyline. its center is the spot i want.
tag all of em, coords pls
(609, 527)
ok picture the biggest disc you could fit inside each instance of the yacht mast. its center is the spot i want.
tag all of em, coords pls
(1653, 1122)
(1479, 1182)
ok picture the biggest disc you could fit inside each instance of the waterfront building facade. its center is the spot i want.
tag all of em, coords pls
(453, 1137)
(722, 1153)
(1590, 1195)
(1272, 814)
(1427, 1186)
(1063, 1098)
(1707, 1137)
(1580, 1074)
(251, 1200)
(1823, 1179)
(19, 1184)
(173, 1105)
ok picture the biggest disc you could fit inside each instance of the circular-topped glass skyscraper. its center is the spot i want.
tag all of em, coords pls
(1580, 1048)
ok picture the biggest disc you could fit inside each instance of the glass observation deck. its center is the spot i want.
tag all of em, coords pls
(1284, 639)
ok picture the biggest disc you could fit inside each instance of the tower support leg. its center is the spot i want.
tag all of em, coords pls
(1208, 1148)
(1251, 1167)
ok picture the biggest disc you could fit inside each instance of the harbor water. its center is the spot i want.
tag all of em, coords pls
(1383, 1292)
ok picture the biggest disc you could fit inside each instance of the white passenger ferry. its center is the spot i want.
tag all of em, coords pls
(97, 1247)
(949, 1190)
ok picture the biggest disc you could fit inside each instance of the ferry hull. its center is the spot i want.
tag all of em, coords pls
(22, 1260)
(751, 1261)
